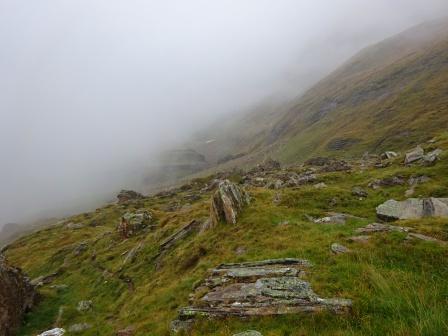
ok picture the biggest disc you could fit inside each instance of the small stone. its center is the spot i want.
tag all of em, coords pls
(240, 250)
(178, 326)
(377, 227)
(79, 327)
(320, 186)
(425, 238)
(359, 239)
(129, 331)
(338, 249)
(248, 333)
(74, 226)
(84, 305)
(359, 192)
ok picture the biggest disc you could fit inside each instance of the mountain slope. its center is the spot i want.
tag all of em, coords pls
(390, 95)
(398, 286)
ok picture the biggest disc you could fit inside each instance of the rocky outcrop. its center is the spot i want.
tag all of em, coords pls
(378, 227)
(269, 287)
(227, 203)
(125, 196)
(17, 296)
(328, 164)
(132, 223)
(413, 208)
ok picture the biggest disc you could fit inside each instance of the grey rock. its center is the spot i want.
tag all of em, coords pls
(388, 155)
(85, 305)
(338, 248)
(320, 186)
(359, 192)
(334, 218)
(180, 234)
(74, 226)
(53, 332)
(414, 155)
(377, 227)
(248, 333)
(79, 327)
(432, 157)
(426, 238)
(228, 202)
(413, 181)
(132, 254)
(413, 208)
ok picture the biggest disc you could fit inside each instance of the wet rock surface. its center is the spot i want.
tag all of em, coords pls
(17, 296)
(269, 287)
(413, 208)
(227, 203)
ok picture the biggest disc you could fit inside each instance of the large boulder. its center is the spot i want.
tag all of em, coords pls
(17, 296)
(227, 203)
(413, 208)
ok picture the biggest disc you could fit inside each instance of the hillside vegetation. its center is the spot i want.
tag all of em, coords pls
(390, 95)
(398, 286)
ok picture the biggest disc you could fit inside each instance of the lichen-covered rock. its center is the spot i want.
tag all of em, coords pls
(125, 196)
(359, 192)
(132, 223)
(227, 203)
(269, 287)
(53, 332)
(17, 296)
(432, 157)
(413, 208)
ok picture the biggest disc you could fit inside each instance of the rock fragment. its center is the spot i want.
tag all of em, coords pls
(126, 196)
(377, 227)
(248, 333)
(84, 306)
(338, 248)
(79, 327)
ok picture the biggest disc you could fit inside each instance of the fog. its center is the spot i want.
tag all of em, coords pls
(91, 90)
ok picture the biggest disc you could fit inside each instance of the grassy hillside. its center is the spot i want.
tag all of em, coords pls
(398, 286)
(391, 95)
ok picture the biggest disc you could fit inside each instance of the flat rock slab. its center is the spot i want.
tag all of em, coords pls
(269, 287)
(413, 208)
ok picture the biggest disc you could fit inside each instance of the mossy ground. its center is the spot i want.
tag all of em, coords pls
(399, 287)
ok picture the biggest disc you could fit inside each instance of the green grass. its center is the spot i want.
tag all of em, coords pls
(398, 287)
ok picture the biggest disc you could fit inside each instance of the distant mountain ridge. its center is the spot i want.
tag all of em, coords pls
(390, 95)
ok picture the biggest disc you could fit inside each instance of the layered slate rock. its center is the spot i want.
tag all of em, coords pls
(227, 203)
(17, 296)
(413, 208)
(269, 287)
